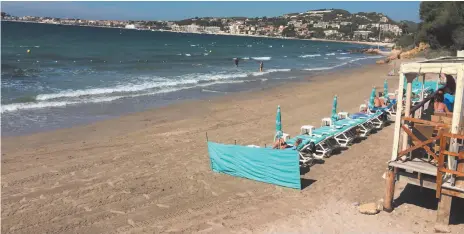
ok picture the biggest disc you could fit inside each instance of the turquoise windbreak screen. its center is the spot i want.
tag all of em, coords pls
(279, 167)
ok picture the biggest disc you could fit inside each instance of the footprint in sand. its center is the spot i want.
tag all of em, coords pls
(42, 196)
(206, 230)
(131, 222)
(162, 206)
(110, 184)
(241, 194)
(214, 194)
(87, 209)
(116, 212)
(214, 224)
(146, 196)
(23, 200)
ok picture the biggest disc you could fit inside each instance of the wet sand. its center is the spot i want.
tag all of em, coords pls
(150, 171)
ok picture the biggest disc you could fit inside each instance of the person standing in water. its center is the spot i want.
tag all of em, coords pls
(236, 62)
(261, 66)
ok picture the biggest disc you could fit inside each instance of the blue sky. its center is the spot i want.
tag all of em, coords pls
(182, 10)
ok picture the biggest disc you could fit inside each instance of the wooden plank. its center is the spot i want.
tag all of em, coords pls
(422, 167)
(460, 180)
(426, 122)
(441, 162)
(429, 182)
(460, 155)
(458, 173)
(410, 179)
(452, 135)
(443, 213)
(452, 193)
(396, 132)
(416, 139)
(420, 146)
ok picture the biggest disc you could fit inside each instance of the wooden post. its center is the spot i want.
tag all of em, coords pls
(399, 108)
(444, 205)
(206, 136)
(457, 122)
(443, 214)
(421, 110)
(390, 190)
(407, 108)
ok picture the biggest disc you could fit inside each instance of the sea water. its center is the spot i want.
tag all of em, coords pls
(74, 75)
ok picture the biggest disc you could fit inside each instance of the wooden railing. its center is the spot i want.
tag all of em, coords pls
(441, 169)
(441, 141)
(417, 143)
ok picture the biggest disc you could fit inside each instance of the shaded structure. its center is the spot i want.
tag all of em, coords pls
(428, 147)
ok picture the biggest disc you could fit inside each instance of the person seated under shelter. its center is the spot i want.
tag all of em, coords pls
(448, 99)
(439, 106)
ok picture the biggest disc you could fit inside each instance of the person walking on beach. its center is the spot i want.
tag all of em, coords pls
(236, 62)
(261, 66)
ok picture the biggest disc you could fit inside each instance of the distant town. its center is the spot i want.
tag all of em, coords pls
(332, 24)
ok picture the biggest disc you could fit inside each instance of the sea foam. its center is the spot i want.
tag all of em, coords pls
(261, 58)
(309, 55)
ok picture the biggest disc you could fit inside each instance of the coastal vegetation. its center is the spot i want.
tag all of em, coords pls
(441, 28)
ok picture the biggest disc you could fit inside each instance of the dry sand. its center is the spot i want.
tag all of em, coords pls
(149, 172)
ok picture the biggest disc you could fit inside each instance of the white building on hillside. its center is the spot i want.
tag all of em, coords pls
(130, 26)
(361, 34)
(321, 25)
(395, 29)
(234, 29)
(334, 25)
(319, 12)
(330, 32)
(212, 29)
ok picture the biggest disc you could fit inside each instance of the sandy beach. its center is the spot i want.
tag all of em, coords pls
(149, 172)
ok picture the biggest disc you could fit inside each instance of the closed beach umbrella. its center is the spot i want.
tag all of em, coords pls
(385, 90)
(334, 109)
(278, 122)
(371, 99)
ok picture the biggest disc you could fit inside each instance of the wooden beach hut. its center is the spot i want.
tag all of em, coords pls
(428, 147)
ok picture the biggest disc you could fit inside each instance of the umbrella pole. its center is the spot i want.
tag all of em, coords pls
(206, 136)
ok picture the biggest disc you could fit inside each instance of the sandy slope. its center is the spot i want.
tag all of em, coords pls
(149, 172)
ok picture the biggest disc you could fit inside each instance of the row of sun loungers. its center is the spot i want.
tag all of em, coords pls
(341, 130)
(334, 134)
(319, 143)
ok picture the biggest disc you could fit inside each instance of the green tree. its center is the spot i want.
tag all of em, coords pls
(442, 24)
(289, 31)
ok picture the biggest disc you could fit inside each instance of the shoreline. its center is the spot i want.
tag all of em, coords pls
(150, 171)
(194, 94)
(381, 44)
(152, 167)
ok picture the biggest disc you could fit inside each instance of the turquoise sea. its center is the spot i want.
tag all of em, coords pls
(75, 75)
